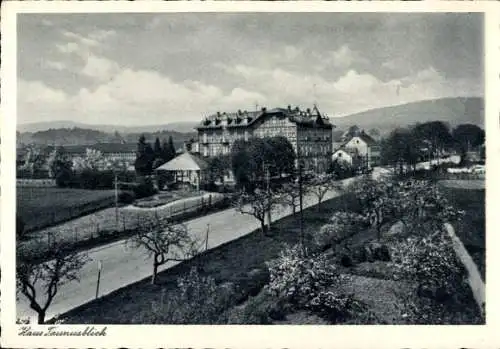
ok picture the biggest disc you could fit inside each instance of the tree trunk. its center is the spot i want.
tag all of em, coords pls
(263, 227)
(155, 272)
(41, 317)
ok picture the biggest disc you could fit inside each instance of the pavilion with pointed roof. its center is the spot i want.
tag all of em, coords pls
(187, 168)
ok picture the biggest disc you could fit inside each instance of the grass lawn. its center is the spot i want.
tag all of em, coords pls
(40, 207)
(470, 197)
(101, 227)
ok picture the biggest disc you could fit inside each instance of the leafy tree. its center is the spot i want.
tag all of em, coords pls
(34, 160)
(467, 137)
(46, 278)
(164, 241)
(218, 166)
(281, 156)
(258, 204)
(400, 148)
(251, 160)
(60, 166)
(435, 133)
(91, 161)
(377, 200)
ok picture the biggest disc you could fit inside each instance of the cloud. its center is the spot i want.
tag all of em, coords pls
(37, 92)
(87, 41)
(69, 47)
(55, 65)
(99, 68)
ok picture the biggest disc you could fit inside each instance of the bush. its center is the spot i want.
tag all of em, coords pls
(431, 262)
(145, 188)
(346, 261)
(126, 197)
(296, 278)
(63, 177)
(261, 309)
(335, 307)
(196, 300)
(342, 225)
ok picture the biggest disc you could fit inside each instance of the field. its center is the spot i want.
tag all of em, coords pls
(234, 265)
(40, 207)
(101, 226)
(470, 197)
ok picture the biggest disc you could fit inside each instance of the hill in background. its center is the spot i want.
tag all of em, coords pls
(454, 111)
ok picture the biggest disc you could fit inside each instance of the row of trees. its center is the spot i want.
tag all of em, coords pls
(425, 141)
(149, 158)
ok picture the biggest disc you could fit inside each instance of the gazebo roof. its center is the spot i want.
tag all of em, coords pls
(184, 162)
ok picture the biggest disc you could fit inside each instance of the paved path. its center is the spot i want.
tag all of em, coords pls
(123, 266)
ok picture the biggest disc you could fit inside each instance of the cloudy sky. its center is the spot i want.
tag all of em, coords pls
(137, 69)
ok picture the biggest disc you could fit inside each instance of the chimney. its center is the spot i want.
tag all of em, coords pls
(239, 111)
(308, 111)
(297, 109)
(289, 108)
(264, 109)
(218, 114)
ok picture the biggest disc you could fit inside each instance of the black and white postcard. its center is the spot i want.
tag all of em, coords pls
(233, 164)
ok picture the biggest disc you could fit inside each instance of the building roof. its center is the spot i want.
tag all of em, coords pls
(244, 118)
(103, 148)
(184, 162)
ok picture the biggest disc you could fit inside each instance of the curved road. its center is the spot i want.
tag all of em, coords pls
(122, 265)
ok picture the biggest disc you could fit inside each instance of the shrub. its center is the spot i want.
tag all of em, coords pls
(196, 300)
(296, 278)
(145, 188)
(335, 307)
(63, 177)
(261, 309)
(342, 225)
(430, 261)
(346, 261)
(126, 197)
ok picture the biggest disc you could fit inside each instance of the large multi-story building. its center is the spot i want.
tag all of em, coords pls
(309, 132)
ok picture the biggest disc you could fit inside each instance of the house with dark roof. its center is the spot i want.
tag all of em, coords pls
(359, 148)
(309, 132)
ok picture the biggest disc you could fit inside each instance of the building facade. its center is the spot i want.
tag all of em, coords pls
(309, 132)
(358, 149)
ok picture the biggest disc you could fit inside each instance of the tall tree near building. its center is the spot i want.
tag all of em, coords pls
(157, 148)
(171, 148)
(436, 134)
(63, 267)
(145, 157)
(253, 158)
(467, 137)
(60, 165)
(400, 148)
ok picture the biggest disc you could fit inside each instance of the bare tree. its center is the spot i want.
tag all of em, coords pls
(258, 204)
(44, 279)
(320, 185)
(164, 241)
(289, 195)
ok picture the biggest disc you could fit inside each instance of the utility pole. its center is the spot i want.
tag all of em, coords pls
(301, 193)
(99, 267)
(116, 199)
(268, 191)
(206, 238)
